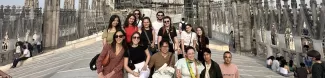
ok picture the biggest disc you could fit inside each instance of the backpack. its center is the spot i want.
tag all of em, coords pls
(92, 64)
(183, 26)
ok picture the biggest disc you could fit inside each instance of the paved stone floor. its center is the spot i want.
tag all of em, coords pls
(73, 62)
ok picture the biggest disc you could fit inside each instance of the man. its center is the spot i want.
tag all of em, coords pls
(158, 24)
(26, 55)
(317, 70)
(301, 72)
(159, 59)
(212, 69)
(228, 69)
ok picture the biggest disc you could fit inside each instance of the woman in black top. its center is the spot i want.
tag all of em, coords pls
(147, 32)
(203, 42)
(139, 56)
(166, 31)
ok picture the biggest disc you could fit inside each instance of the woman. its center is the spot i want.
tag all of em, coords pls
(130, 27)
(189, 67)
(202, 41)
(284, 69)
(188, 38)
(139, 56)
(148, 34)
(276, 64)
(113, 54)
(113, 26)
(168, 33)
(269, 62)
(138, 17)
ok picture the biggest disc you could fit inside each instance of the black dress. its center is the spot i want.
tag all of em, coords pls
(202, 46)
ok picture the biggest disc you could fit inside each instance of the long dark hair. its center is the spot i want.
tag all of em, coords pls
(111, 19)
(132, 38)
(202, 37)
(170, 23)
(150, 25)
(140, 15)
(126, 22)
(124, 45)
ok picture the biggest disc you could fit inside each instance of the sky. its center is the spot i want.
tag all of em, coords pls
(41, 2)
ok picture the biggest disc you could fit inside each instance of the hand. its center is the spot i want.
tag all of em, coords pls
(178, 74)
(152, 45)
(136, 74)
(144, 68)
(109, 75)
(100, 75)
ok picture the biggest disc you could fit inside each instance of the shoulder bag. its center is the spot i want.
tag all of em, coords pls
(151, 49)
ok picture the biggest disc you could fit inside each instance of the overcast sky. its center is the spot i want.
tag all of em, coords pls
(41, 2)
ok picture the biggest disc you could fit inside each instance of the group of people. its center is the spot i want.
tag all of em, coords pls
(146, 49)
(24, 50)
(311, 64)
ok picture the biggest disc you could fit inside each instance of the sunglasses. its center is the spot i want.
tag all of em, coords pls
(136, 37)
(136, 13)
(119, 36)
(160, 15)
(166, 21)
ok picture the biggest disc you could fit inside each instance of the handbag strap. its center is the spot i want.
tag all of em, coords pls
(190, 39)
(145, 32)
(129, 56)
(170, 39)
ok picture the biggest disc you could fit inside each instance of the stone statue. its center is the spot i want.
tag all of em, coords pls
(27, 35)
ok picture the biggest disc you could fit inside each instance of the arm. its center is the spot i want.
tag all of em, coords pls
(182, 46)
(159, 40)
(104, 36)
(194, 40)
(154, 37)
(237, 73)
(178, 73)
(218, 71)
(151, 62)
(148, 56)
(101, 58)
(4, 75)
(207, 42)
(126, 67)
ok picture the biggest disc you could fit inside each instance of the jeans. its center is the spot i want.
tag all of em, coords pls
(14, 64)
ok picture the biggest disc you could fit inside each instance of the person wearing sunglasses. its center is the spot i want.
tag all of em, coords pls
(110, 61)
(138, 17)
(188, 38)
(139, 56)
(168, 33)
(156, 25)
(130, 26)
(113, 26)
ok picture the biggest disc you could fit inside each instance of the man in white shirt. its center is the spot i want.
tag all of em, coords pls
(158, 24)
(24, 56)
